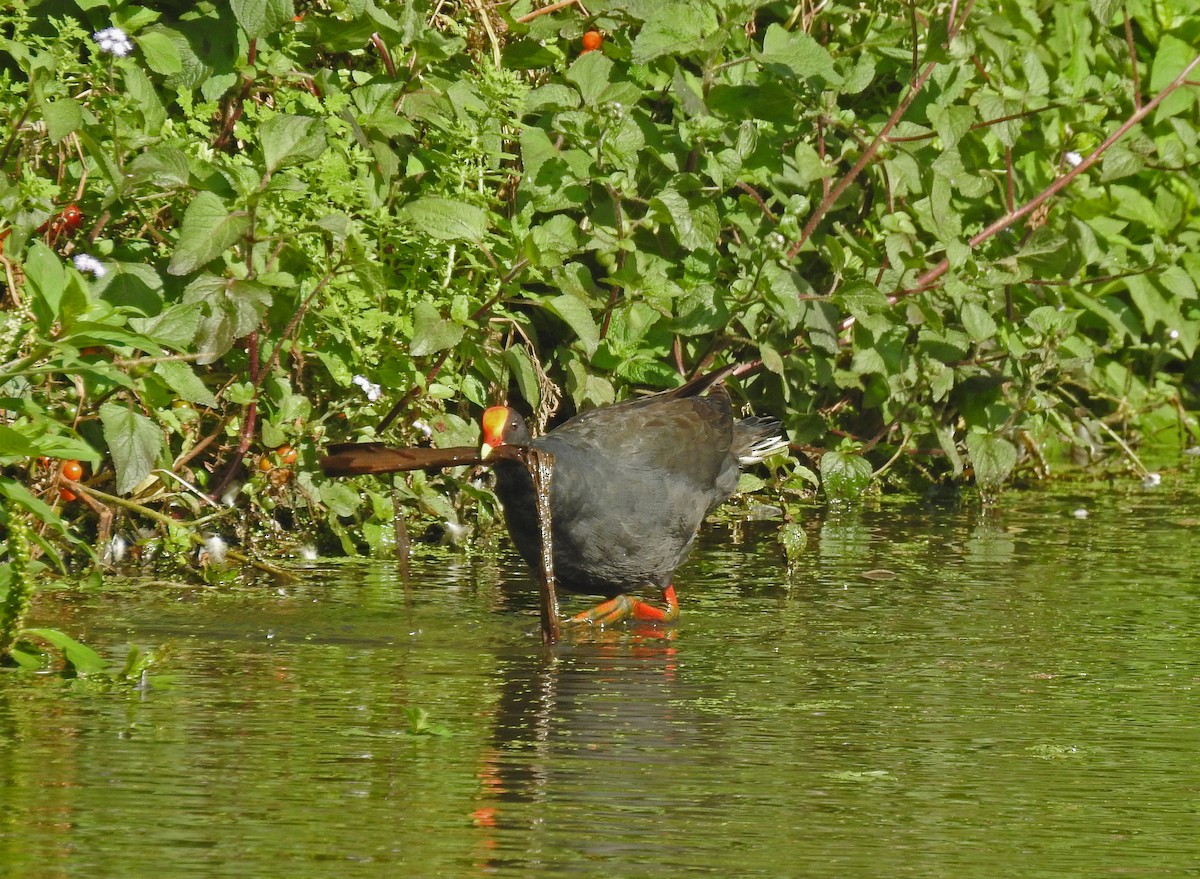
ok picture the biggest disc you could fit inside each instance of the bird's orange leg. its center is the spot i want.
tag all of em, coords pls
(625, 607)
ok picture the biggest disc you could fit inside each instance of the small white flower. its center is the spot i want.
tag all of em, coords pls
(113, 41)
(85, 262)
(1172, 335)
(115, 551)
(372, 390)
(1073, 159)
(453, 533)
(229, 498)
(1081, 513)
(308, 553)
(425, 429)
(1151, 480)
(215, 547)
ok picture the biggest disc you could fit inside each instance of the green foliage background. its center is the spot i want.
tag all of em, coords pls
(953, 240)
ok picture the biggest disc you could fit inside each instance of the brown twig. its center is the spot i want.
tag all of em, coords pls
(1133, 60)
(384, 54)
(758, 199)
(546, 10)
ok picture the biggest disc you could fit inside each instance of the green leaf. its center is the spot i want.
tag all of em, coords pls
(553, 96)
(844, 475)
(431, 331)
(208, 229)
(16, 494)
(231, 310)
(445, 219)
(527, 381)
(592, 72)
(340, 498)
(164, 166)
(47, 279)
(142, 95)
(291, 140)
(62, 116)
(134, 441)
(860, 298)
(14, 444)
(159, 49)
(696, 225)
(133, 285)
(993, 458)
(1119, 162)
(945, 437)
(952, 122)
(1049, 321)
(84, 660)
(261, 18)
(671, 29)
(1172, 56)
(184, 382)
(1104, 10)
(1155, 308)
(799, 53)
(578, 317)
(772, 360)
(175, 327)
(979, 325)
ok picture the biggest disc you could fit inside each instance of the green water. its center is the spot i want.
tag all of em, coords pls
(937, 692)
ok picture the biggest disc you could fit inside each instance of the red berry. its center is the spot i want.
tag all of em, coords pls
(72, 217)
(72, 470)
(592, 40)
(286, 454)
(66, 495)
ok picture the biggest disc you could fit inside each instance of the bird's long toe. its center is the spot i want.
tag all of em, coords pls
(626, 607)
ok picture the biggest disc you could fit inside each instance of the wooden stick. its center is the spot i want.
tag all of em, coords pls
(359, 459)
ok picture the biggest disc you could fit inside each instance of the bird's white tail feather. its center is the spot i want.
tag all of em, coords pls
(768, 441)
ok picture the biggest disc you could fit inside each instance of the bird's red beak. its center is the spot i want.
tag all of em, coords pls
(494, 421)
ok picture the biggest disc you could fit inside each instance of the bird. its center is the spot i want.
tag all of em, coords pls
(631, 485)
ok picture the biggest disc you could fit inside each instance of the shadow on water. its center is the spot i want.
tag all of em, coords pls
(938, 691)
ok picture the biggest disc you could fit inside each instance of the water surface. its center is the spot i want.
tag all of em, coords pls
(936, 691)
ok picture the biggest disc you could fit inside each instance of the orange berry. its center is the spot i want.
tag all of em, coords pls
(66, 495)
(286, 454)
(592, 40)
(264, 464)
(72, 470)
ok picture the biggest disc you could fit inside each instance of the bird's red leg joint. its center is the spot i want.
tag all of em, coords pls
(650, 613)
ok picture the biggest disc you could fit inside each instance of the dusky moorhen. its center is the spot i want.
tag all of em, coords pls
(632, 483)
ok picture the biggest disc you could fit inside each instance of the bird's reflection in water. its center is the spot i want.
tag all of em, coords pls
(582, 735)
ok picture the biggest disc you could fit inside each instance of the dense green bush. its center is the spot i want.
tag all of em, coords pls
(950, 240)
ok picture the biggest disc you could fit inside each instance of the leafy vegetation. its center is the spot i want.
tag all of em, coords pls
(948, 241)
